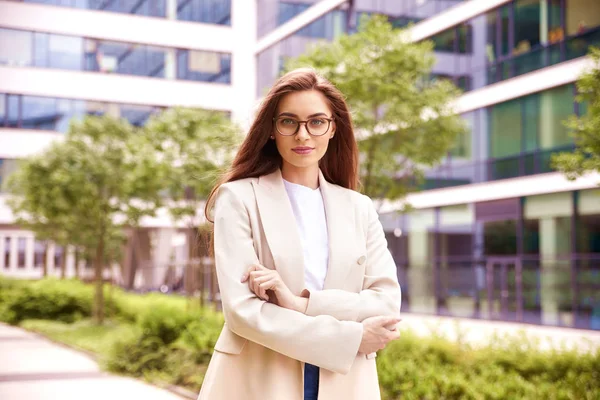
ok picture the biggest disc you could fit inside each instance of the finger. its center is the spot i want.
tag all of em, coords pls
(386, 321)
(264, 278)
(246, 274)
(256, 274)
(263, 294)
(270, 284)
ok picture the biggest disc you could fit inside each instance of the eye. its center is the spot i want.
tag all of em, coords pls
(288, 121)
(317, 121)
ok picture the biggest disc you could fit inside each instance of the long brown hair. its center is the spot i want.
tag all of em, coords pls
(258, 154)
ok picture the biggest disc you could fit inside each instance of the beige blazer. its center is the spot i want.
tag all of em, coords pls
(262, 349)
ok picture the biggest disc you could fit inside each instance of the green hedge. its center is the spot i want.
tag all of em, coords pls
(163, 338)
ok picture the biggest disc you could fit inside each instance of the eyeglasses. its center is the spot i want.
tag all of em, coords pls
(317, 126)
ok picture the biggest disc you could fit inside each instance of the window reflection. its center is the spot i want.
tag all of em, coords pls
(22, 48)
(208, 11)
(16, 47)
(204, 66)
(33, 112)
(124, 58)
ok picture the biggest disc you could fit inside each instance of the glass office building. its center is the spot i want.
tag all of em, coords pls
(494, 233)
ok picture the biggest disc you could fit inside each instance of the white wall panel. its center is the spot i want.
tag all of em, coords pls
(115, 88)
(116, 26)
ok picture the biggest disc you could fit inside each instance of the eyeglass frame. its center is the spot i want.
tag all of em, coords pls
(329, 120)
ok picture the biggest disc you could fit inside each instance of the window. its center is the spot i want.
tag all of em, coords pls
(527, 26)
(207, 11)
(16, 47)
(581, 16)
(21, 251)
(204, 66)
(39, 113)
(65, 52)
(6, 254)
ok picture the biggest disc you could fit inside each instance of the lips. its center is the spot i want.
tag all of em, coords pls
(302, 150)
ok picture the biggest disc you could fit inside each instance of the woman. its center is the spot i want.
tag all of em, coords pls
(308, 286)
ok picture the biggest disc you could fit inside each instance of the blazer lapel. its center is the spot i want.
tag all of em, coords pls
(280, 228)
(340, 218)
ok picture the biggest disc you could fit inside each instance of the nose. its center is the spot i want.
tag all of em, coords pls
(302, 133)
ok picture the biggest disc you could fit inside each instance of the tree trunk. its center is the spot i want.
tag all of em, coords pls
(63, 263)
(99, 297)
(45, 260)
(76, 259)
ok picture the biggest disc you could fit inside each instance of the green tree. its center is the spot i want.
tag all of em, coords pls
(403, 118)
(85, 189)
(585, 129)
(195, 146)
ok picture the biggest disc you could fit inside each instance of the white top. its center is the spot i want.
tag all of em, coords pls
(309, 211)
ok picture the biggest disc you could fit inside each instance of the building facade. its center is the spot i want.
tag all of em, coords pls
(495, 233)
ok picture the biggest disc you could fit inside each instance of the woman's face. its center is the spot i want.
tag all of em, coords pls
(302, 150)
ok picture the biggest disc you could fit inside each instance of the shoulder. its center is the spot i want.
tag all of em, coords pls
(357, 199)
(237, 190)
(239, 187)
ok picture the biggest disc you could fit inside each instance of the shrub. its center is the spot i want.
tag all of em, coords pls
(434, 368)
(48, 299)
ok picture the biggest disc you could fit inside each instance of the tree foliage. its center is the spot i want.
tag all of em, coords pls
(107, 174)
(403, 118)
(195, 146)
(586, 128)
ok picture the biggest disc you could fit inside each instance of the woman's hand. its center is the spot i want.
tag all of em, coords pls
(268, 285)
(377, 333)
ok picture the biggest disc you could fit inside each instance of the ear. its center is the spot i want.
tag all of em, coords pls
(332, 134)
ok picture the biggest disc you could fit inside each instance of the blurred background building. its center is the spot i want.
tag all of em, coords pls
(494, 233)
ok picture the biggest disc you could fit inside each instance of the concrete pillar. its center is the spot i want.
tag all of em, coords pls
(51, 268)
(554, 214)
(14, 253)
(555, 240)
(171, 64)
(2, 251)
(29, 253)
(171, 54)
(421, 273)
(243, 60)
(171, 10)
(70, 265)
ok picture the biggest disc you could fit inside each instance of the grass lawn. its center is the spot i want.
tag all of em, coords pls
(83, 334)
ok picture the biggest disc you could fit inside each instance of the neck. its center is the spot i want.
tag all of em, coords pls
(308, 176)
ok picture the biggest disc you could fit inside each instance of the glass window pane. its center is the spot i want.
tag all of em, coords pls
(204, 66)
(505, 129)
(556, 105)
(530, 126)
(41, 49)
(12, 110)
(7, 167)
(527, 26)
(39, 113)
(581, 16)
(445, 41)
(136, 115)
(66, 52)
(16, 47)
(2, 108)
(207, 11)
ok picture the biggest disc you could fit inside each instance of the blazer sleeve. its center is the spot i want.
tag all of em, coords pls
(320, 340)
(380, 294)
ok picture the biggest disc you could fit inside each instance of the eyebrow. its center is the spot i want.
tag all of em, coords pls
(288, 114)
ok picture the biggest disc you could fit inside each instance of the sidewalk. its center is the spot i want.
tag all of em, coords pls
(32, 368)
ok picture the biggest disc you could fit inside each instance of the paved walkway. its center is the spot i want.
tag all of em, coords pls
(32, 368)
